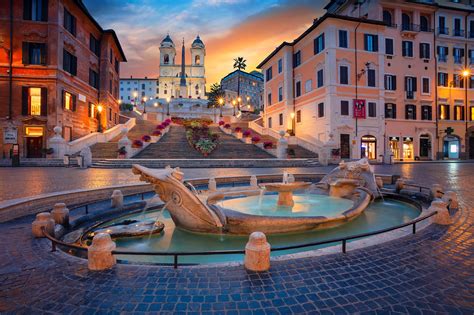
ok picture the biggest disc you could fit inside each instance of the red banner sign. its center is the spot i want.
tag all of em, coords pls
(359, 108)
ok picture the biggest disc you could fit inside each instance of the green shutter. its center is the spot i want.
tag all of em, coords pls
(44, 101)
(24, 101)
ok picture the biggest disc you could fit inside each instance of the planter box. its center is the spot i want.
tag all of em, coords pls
(248, 140)
(228, 131)
(238, 135)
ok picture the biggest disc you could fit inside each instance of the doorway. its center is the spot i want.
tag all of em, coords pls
(425, 146)
(34, 146)
(368, 147)
(345, 146)
(471, 147)
(451, 147)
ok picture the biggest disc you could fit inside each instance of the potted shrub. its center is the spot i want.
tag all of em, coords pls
(137, 144)
(238, 132)
(146, 138)
(221, 123)
(255, 139)
(122, 153)
(156, 133)
(227, 129)
(160, 127)
(48, 152)
(268, 145)
(205, 146)
(168, 121)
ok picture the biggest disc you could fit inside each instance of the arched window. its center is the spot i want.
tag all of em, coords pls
(166, 59)
(424, 23)
(406, 21)
(197, 60)
(387, 17)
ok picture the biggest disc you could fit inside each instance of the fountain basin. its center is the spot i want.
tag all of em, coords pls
(132, 229)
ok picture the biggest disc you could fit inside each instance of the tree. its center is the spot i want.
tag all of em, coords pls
(215, 93)
(239, 64)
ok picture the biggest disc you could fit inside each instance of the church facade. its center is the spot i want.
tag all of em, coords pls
(182, 80)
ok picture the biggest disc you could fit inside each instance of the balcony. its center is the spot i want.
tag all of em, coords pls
(410, 28)
(443, 31)
(458, 33)
(410, 95)
(426, 29)
(442, 58)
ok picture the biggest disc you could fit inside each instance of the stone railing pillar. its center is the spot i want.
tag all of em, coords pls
(442, 217)
(282, 146)
(257, 252)
(58, 144)
(212, 185)
(99, 254)
(43, 220)
(116, 200)
(253, 181)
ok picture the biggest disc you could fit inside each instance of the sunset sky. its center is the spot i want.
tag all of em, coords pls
(228, 28)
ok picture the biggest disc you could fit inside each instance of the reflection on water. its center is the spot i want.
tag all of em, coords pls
(377, 216)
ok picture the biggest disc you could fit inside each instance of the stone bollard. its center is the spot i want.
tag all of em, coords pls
(212, 185)
(99, 254)
(379, 182)
(257, 253)
(116, 199)
(436, 191)
(442, 217)
(253, 181)
(399, 184)
(451, 198)
(43, 219)
(60, 214)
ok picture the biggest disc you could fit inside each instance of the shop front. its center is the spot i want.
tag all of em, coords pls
(408, 149)
(394, 143)
(34, 141)
(368, 147)
(451, 147)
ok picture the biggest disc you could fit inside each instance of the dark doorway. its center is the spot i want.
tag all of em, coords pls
(34, 146)
(345, 146)
(471, 147)
(425, 146)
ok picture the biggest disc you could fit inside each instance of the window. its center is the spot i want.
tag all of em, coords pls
(388, 46)
(111, 56)
(371, 42)
(93, 79)
(297, 59)
(321, 110)
(471, 29)
(458, 112)
(69, 101)
(410, 87)
(269, 122)
(280, 94)
(298, 116)
(425, 51)
(371, 77)
(407, 48)
(390, 110)
(110, 113)
(425, 85)
(444, 112)
(457, 31)
(69, 62)
(458, 55)
(344, 108)
(471, 56)
(91, 110)
(343, 39)
(308, 86)
(143, 86)
(298, 89)
(406, 22)
(280, 119)
(442, 79)
(458, 81)
(424, 23)
(318, 44)
(343, 75)
(410, 112)
(35, 10)
(387, 17)
(94, 45)
(69, 22)
(442, 53)
(426, 112)
(320, 75)
(372, 109)
(35, 101)
(390, 82)
(280, 65)
(268, 75)
(269, 99)
(442, 25)
(34, 53)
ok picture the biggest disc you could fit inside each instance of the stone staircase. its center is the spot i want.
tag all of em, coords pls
(108, 150)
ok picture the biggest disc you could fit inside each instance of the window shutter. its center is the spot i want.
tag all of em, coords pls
(414, 112)
(385, 82)
(44, 10)
(44, 101)
(462, 52)
(44, 52)
(446, 50)
(394, 82)
(394, 109)
(366, 42)
(406, 83)
(448, 112)
(27, 10)
(315, 46)
(24, 100)
(63, 99)
(428, 51)
(375, 38)
(438, 50)
(74, 65)
(322, 46)
(422, 54)
(73, 24)
(406, 111)
(414, 84)
(25, 53)
(73, 103)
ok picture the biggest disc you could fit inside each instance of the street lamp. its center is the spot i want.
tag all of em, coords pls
(221, 102)
(239, 99)
(144, 104)
(135, 95)
(99, 111)
(466, 73)
(168, 100)
(233, 105)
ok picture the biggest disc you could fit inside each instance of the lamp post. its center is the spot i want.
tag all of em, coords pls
(292, 115)
(233, 105)
(135, 95)
(144, 104)
(99, 118)
(168, 100)
(466, 74)
(221, 103)
(239, 100)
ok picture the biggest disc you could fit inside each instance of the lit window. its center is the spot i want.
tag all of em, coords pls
(92, 110)
(67, 101)
(35, 101)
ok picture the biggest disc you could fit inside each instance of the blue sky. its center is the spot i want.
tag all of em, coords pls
(229, 28)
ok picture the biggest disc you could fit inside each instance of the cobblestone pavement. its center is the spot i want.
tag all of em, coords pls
(428, 273)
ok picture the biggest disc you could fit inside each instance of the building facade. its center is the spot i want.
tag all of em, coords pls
(375, 77)
(182, 80)
(134, 90)
(250, 88)
(63, 70)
